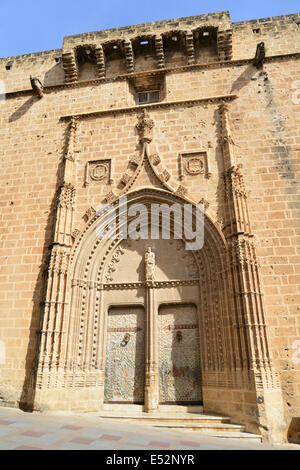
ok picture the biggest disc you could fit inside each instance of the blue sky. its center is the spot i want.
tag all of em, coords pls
(38, 25)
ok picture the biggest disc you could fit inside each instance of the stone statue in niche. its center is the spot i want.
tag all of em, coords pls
(149, 264)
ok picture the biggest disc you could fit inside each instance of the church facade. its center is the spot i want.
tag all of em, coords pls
(193, 112)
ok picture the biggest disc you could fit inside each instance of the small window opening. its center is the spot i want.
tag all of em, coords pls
(144, 43)
(205, 33)
(256, 31)
(146, 97)
(8, 67)
(57, 59)
(174, 38)
(115, 47)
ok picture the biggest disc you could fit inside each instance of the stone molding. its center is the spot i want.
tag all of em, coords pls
(159, 105)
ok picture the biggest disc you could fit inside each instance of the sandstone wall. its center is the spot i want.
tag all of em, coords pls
(265, 124)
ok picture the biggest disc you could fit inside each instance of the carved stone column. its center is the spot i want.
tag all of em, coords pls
(51, 359)
(251, 339)
(151, 382)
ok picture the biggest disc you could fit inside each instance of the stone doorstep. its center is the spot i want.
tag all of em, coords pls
(204, 426)
(115, 407)
(166, 417)
(180, 419)
(211, 429)
(234, 435)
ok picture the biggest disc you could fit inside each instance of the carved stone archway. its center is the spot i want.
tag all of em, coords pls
(238, 378)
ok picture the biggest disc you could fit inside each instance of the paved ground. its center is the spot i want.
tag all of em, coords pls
(64, 431)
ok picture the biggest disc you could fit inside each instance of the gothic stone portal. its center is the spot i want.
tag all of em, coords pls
(179, 357)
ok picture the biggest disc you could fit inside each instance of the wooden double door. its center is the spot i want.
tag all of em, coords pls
(178, 347)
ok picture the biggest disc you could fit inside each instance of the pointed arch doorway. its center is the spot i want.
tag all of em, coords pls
(107, 274)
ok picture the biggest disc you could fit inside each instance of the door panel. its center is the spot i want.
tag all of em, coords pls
(125, 355)
(179, 355)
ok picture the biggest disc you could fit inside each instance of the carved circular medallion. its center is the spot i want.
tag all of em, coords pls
(194, 166)
(99, 172)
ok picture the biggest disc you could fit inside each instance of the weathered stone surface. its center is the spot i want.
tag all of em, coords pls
(224, 127)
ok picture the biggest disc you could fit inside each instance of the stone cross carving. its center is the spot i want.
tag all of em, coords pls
(149, 264)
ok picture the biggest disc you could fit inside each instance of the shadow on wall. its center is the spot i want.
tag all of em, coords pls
(244, 78)
(54, 76)
(294, 431)
(23, 109)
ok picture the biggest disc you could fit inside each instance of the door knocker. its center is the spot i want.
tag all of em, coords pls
(178, 336)
(125, 340)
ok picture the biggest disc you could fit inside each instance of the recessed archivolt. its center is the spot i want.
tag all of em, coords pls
(88, 246)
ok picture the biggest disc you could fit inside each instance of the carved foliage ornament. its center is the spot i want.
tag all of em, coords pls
(89, 213)
(112, 265)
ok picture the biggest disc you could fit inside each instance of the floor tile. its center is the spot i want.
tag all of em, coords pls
(165, 445)
(189, 443)
(82, 440)
(72, 428)
(110, 437)
(5, 422)
(32, 434)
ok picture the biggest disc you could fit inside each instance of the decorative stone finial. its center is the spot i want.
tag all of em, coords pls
(144, 127)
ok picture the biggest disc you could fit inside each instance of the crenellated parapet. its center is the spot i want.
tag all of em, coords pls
(166, 44)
